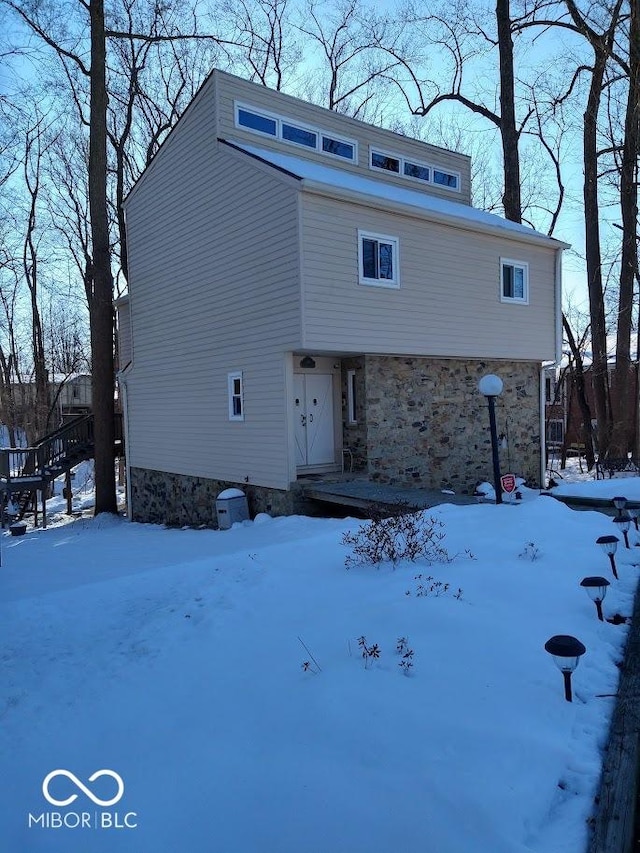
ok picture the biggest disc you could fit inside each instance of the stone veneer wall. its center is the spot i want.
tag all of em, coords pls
(180, 500)
(428, 425)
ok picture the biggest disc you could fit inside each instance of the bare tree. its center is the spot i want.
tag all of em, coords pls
(358, 50)
(266, 40)
(32, 170)
(622, 402)
(88, 62)
(602, 43)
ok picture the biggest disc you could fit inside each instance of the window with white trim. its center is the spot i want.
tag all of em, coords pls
(338, 147)
(514, 281)
(235, 386)
(351, 397)
(413, 170)
(555, 432)
(258, 122)
(386, 162)
(299, 135)
(288, 130)
(378, 259)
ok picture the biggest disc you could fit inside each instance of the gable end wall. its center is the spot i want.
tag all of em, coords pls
(214, 288)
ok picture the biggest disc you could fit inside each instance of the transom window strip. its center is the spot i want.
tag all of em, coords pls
(408, 169)
(280, 127)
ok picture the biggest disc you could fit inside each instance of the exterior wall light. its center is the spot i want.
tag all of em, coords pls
(307, 362)
(566, 652)
(622, 522)
(491, 387)
(609, 545)
(596, 589)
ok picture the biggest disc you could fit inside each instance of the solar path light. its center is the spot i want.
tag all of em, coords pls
(622, 522)
(596, 589)
(609, 545)
(619, 503)
(566, 652)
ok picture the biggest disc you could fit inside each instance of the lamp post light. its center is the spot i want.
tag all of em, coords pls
(566, 652)
(609, 545)
(622, 522)
(619, 503)
(491, 387)
(596, 589)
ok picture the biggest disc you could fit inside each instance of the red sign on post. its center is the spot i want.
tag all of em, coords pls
(508, 483)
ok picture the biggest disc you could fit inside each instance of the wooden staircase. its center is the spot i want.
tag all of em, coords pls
(25, 471)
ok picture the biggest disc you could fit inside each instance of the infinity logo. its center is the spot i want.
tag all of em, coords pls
(83, 788)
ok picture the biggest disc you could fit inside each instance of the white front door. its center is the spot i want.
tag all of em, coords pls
(313, 412)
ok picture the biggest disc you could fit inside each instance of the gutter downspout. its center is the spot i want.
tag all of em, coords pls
(122, 382)
(546, 365)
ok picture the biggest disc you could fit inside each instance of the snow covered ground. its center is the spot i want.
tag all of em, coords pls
(175, 659)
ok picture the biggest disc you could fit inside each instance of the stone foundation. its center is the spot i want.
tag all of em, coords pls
(180, 500)
(427, 424)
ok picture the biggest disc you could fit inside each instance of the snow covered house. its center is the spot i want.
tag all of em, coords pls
(307, 290)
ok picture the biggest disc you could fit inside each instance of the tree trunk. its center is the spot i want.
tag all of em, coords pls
(593, 255)
(577, 379)
(511, 162)
(622, 399)
(101, 303)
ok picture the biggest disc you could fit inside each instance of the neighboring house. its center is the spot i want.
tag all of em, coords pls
(306, 289)
(563, 419)
(69, 396)
(555, 401)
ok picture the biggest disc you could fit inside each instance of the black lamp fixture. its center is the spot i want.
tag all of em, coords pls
(622, 522)
(491, 387)
(609, 545)
(596, 589)
(307, 361)
(566, 652)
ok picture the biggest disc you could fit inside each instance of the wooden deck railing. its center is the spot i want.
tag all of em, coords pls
(71, 443)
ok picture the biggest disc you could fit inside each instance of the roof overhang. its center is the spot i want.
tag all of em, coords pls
(372, 192)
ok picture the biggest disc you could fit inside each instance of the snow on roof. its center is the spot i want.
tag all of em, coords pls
(318, 173)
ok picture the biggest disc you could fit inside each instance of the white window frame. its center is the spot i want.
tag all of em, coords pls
(336, 138)
(259, 112)
(550, 442)
(232, 377)
(444, 171)
(524, 266)
(393, 283)
(351, 398)
(280, 120)
(402, 160)
(299, 126)
(420, 165)
(381, 153)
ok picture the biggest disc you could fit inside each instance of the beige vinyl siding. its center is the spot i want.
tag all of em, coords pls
(448, 302)
(230, 88)
(214, 288)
